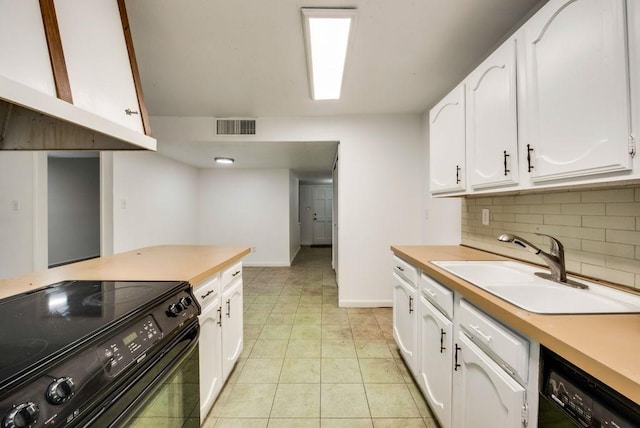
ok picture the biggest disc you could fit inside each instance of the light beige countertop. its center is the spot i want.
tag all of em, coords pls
(192, 263)
(605, 346)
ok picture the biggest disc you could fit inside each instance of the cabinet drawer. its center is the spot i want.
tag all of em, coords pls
(207, 290)
(405, 270)
(231, 273)
(511, 349)
(439, 295)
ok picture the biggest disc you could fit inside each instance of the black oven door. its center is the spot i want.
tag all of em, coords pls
(164, 393)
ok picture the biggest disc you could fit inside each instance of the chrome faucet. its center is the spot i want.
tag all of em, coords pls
(555, 260)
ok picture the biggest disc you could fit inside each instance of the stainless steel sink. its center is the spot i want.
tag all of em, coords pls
(518, 284)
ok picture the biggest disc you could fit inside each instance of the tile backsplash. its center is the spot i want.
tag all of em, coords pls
(600, 228)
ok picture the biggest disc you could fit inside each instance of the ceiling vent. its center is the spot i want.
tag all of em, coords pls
(235, 127)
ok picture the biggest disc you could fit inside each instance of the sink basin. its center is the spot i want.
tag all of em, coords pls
(518, 284)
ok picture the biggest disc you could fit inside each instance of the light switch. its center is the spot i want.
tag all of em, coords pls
(485, 216)
(15, 205)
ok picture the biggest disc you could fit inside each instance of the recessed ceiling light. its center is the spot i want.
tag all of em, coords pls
(224, 160)
(327, 33)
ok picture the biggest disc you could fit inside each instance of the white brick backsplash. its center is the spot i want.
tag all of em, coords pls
(544, 209)
(583, 209)
(528, 199)
(607, 274)
(563, 220)
(609, 222)
(599, 228)
(620, 263)
(623, 209)
(623, 236)
(608, 195)
(609, 248)
(516, 209)
(562, 198)
(529, 218)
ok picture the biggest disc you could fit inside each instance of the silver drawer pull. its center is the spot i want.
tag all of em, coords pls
(204, 296)
(400, 268)
(129, 112)
(482, 335)
(235, 273)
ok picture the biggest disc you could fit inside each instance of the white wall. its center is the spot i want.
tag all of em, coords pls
(442, 215)
(247, 207)
(155, 201)
(17, 170)
(73, 208)
(381, 188)
(294, 221)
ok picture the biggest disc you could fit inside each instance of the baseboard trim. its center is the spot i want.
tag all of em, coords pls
(365, 303)
(266, 264)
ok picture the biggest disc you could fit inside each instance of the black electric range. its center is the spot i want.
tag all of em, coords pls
(65, 348)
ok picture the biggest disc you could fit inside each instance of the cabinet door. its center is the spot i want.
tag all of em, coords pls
(447, 143)
(484, 395)
(97, 60)
(25, 54)
(492, 137)
(405, 320)
(232, 323)
(577, 89)
(435, 355)
(210, 344)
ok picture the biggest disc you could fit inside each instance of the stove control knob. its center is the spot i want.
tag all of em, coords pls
(24, 415)
(60, 390)
(186, 302)
(174, 309)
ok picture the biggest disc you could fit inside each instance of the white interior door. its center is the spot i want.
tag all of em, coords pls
(322, 215)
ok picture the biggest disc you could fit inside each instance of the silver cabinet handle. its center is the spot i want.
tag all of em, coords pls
(204, 296)
(228, 308)
(129, 112)
(220, 317)
(235, 273)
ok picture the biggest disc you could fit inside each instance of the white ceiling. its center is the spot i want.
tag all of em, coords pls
(245, 58)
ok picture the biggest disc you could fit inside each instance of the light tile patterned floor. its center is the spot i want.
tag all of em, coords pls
(309, 363)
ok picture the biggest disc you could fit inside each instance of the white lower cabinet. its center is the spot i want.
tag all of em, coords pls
(210, 361)
(405, 317)
(232, 322)
(483, 393)
(435, 352)
(221, 332)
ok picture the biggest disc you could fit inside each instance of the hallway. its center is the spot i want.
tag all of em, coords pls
(308, 363)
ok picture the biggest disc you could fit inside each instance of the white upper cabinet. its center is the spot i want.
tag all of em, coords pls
(447, 143)
(97, 60)
(25, 53)
(577, 90)
(492, 128)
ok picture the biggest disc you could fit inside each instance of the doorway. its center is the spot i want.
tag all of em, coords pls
(73, 199)
(316, 205)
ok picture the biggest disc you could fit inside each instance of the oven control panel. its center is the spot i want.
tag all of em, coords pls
(129, 346)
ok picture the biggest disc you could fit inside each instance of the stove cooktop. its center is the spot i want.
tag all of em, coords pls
(43, 324)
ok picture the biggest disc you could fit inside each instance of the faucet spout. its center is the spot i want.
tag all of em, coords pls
(554, 259)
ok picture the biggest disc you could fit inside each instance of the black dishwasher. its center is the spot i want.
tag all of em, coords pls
(569, 397)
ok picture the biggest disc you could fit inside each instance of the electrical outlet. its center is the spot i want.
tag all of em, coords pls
(253, 249)
(123, 204)
(15, 205)
(485, 216)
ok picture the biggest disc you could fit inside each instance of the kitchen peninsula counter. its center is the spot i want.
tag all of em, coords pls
(192, 263)
(607, 346)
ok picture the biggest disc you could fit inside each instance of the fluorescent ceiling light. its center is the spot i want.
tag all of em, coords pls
(224, 160)
(327, 34)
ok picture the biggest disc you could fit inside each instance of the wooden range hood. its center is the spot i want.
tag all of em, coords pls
(33, 120)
